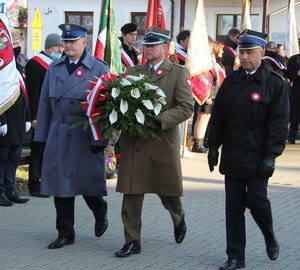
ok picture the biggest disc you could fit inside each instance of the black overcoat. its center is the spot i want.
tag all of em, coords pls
(292, 70)
(249, 120)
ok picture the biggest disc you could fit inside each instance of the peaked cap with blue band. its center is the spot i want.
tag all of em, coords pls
(155, 35)
(250, 39)
(72, 31)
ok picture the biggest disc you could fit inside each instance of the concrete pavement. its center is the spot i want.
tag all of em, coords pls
(26, 230)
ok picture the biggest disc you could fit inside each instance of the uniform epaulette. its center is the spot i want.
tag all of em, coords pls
(102, 61)
(177, 65)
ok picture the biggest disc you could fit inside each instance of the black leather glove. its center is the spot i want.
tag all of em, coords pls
(97, 149)
(213, 155)
(267, 167)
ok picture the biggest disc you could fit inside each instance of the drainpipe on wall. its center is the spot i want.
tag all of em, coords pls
(182, 15)
(265, 21)
(172, 18)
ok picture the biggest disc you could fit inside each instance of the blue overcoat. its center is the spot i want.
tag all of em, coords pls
(69, 167)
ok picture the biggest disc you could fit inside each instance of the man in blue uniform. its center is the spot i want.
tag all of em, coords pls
(73, 163)
(250, 120)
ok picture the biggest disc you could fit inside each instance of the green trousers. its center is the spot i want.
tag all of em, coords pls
(132, 213)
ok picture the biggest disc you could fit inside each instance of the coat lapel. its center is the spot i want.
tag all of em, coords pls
(81, 74)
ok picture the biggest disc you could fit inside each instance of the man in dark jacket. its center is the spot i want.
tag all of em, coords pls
(14, 122)
(35, 71)
(271, 57)
(229, 50)
(293, 73)
(249, 120)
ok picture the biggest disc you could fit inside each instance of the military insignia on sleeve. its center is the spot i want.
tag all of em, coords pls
(79, 73)
(255, 96)
(189, 82)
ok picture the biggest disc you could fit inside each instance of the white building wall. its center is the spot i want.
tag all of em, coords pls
(53, 14)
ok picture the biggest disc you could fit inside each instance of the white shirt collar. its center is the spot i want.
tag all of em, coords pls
(156, 66)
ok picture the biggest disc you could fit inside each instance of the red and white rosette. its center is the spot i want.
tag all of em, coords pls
(255, 96)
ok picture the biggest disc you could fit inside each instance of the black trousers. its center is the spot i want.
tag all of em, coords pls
(248, 193)
(35, 165)
(65, 213)
(293, 130)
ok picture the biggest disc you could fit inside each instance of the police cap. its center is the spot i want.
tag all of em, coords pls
(72, 31)
(250, 39)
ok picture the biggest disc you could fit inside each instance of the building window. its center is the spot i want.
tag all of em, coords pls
(227, 21)
(85, 19)
(139, 18)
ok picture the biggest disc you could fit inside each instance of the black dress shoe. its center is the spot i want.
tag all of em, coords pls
(127, 250)
(180, 230)
(273, 251)
(290, 142)
(4, 201)
(60, 242)
(37, 194)
(100, 227)
(232, 264)
(14, 197)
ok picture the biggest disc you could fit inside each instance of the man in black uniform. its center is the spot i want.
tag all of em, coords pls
(250, 120)
(128, 52)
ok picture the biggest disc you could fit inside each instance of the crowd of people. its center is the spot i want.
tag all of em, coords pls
(246, 114)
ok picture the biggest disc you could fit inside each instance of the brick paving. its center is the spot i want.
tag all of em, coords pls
(26, 230)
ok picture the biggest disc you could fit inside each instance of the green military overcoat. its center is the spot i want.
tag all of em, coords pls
(153, 165)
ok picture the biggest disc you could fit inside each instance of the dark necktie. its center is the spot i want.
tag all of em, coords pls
(72, 67)
(152, 70)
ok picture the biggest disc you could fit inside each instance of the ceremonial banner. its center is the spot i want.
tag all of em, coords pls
(108, 44)
(155, 14)
(246, 15)
(9, 80)
(291, 44)
(155, 17)
(198, 59)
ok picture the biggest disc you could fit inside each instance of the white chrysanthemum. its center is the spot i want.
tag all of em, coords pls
(135, 93)
(148, 104)
(133, 78)
(157, 108)
(140, 116)
(123, 106)
(162, 100)
(160, 92)
(115, 92)
(125, 82)
(149, 86)
(113, 117)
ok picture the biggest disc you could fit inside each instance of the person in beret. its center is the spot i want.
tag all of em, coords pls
(129, 53)
(35, 71)
(153, 165)
(249, 121)
(73, 162)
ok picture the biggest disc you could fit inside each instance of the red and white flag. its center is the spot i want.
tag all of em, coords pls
(9, 75)
(155, 14)
(291, 44)
(198, 59)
